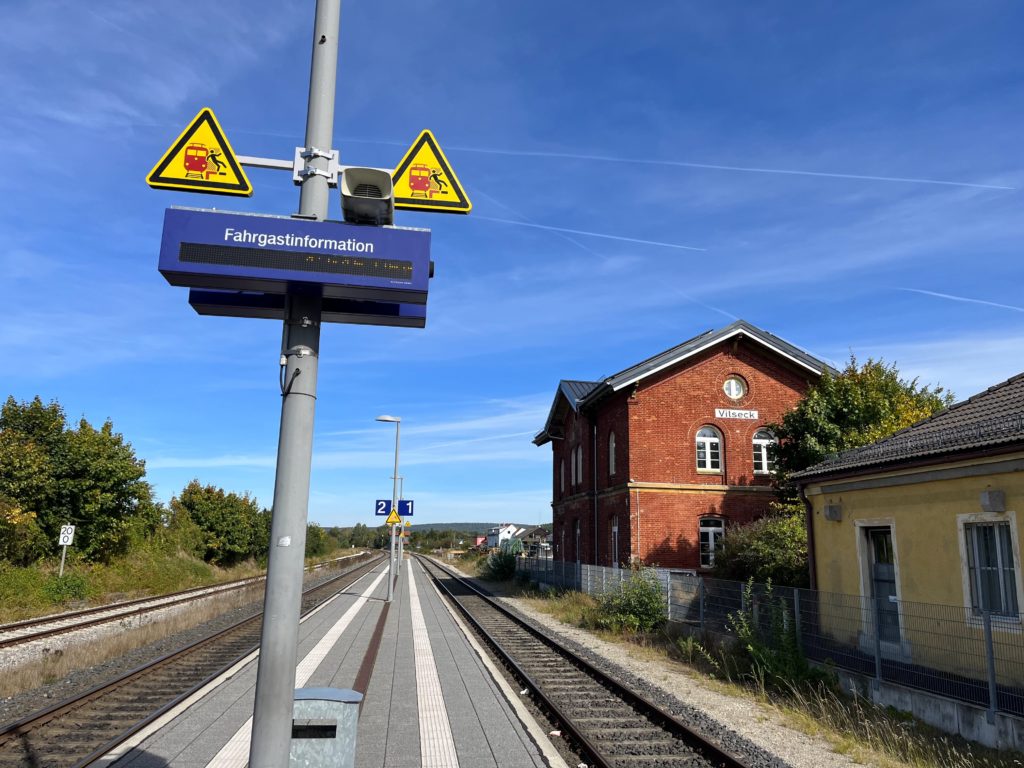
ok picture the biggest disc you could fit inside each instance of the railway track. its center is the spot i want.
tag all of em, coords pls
(45, 627)
(607, 724)
(77, 732)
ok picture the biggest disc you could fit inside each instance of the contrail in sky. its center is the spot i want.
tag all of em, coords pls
(744, 169)
(962, 298)
(683, 164)
(589, 234)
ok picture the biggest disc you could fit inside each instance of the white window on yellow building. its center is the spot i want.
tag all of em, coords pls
(991, 569)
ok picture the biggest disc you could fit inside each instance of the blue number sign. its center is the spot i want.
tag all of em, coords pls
(383, 507)
(405, 507)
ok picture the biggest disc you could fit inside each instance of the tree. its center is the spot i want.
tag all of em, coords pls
(857, 406)
(87, 477)
(771, 548)
(229, 522)
(103, 489)
(22, 541)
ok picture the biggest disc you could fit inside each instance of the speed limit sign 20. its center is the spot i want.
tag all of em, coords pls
(67, 535)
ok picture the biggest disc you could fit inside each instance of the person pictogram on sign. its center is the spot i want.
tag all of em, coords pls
(437, 183)
(214, 157)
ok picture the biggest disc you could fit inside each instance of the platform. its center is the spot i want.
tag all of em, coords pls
(430, 696)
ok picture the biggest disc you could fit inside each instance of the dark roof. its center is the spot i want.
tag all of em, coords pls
(573, 393)
(990, 419)
(582, 393)
(577, 390)
(703, 341)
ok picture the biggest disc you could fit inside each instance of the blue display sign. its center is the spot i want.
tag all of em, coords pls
(405, 507)
(278, 254)
(270, 306)
(382, 507)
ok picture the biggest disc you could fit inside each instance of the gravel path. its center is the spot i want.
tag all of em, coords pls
(684, 694)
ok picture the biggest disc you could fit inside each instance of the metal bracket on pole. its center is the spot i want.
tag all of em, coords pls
(301, 169)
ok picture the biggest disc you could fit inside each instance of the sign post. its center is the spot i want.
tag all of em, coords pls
(270, 744)
(67, 535)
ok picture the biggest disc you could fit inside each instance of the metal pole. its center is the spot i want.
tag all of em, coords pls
(797, 624)
(63, 554)
(990, 658)
(270, 744)
(394, 505)
(878, 642)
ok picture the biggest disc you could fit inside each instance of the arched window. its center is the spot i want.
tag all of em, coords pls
(611, 454)
(764, 464)
(709, 450)
(712, 529)
(579, 465)
(572, 468)
(561, 475)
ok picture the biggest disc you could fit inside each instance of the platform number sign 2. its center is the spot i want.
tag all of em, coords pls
(382, 507)
(67, 535)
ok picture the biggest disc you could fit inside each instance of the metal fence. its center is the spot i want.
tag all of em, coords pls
(944, 649)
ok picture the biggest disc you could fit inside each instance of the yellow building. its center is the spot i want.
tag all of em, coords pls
(924, 530)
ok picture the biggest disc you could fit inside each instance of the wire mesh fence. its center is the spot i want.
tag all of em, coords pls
(948, 650)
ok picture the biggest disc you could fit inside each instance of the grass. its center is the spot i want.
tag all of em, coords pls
(854, 727)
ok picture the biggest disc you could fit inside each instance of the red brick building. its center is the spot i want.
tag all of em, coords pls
(655, 462)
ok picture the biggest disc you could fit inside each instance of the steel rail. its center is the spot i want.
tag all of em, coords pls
(655, 714)
(23, 727)
(138, 606)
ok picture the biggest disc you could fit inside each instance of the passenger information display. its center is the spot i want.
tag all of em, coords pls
(276, 254)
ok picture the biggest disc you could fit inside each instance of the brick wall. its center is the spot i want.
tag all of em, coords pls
(655, 428)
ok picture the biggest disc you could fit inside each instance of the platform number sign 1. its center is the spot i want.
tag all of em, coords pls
(382, 507)
(67, 535)
(405, 507)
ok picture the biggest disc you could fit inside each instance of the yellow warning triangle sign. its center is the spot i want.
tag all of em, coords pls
(201, 160)
(393, 519)
(425, 181)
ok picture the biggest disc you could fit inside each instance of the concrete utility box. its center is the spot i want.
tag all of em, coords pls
(324, 723)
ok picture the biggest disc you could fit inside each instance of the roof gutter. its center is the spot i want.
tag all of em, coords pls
(809, 522)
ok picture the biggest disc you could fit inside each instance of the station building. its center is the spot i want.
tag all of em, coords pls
(655, 463)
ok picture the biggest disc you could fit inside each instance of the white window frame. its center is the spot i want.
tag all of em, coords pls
(715, 533)
(572, 468)
(611, 453)
(761, 448)
(1010, 518)
(579, 464)
(707, 441)
(744, 387)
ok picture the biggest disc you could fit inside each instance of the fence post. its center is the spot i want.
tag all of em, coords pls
(669, 607)
(604, 580)
(877, 603)
(796, 619)
(700, 601)
(990, 658)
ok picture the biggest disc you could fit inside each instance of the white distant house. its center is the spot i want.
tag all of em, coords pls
(500, 533)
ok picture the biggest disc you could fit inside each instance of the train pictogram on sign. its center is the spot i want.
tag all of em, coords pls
(201, 160)
(424, 180)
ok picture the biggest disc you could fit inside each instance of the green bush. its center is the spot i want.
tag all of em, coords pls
(62, 589)
(771, 650)
(773, 548)
(637, 605)
(500, 566)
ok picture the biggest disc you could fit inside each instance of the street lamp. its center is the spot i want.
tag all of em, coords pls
(394, 501)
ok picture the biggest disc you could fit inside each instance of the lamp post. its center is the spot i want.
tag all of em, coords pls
(394, 501)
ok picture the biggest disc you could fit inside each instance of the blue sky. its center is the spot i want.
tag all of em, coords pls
(846, 176)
